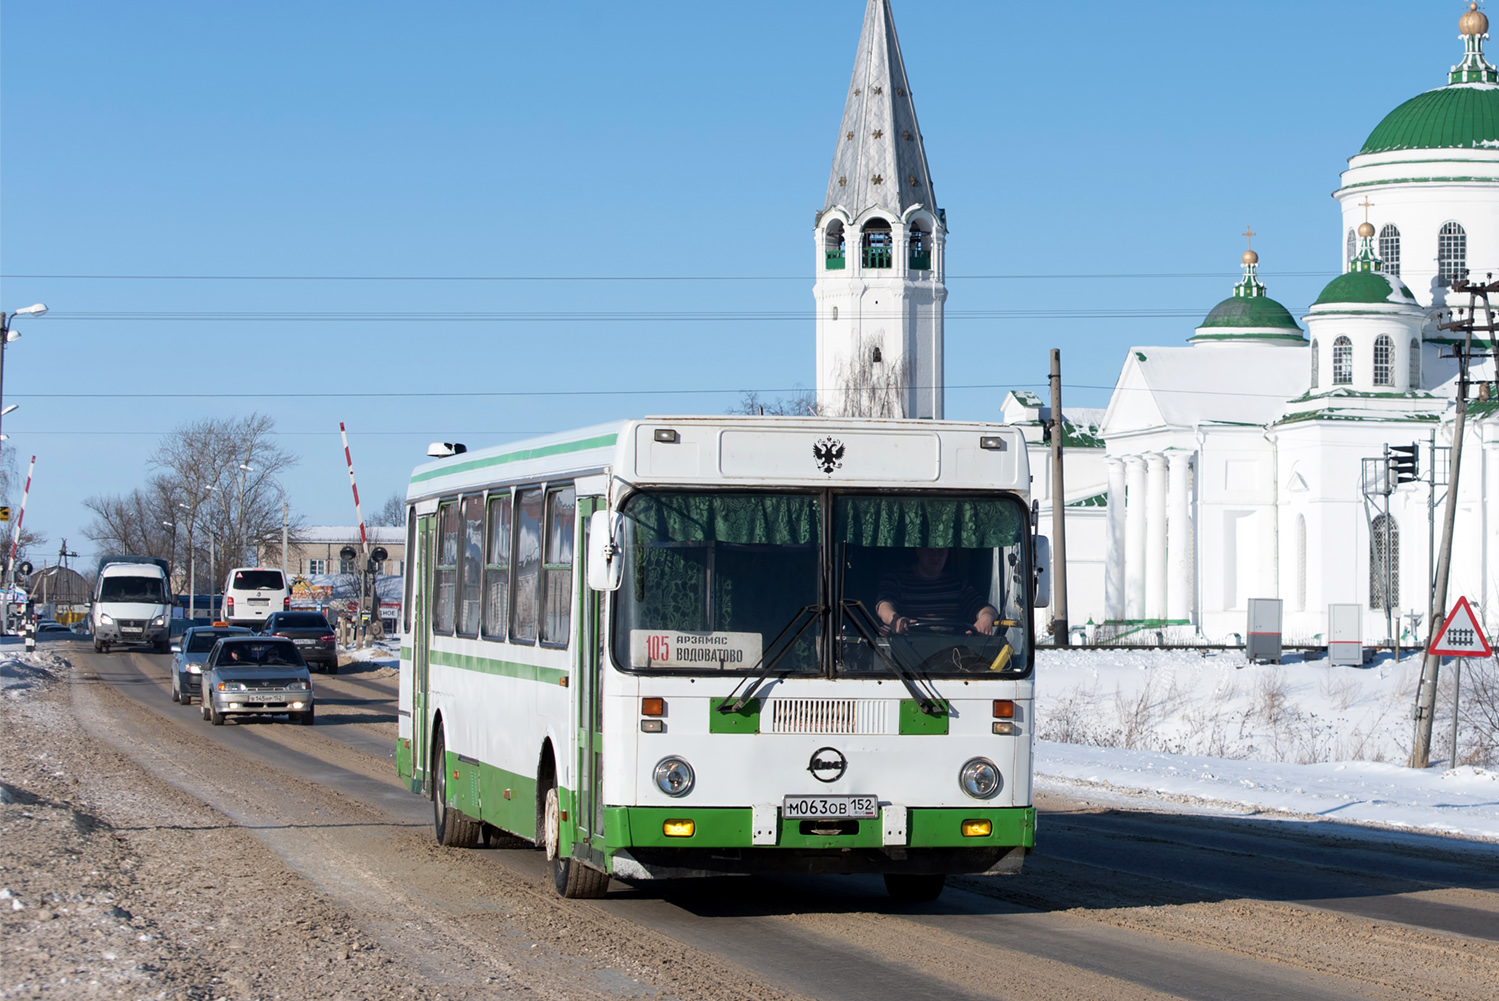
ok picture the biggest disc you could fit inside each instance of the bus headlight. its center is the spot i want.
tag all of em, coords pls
(674, 776)
(105, 620)
(979, 778)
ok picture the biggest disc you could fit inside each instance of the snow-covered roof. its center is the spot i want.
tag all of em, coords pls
(383, 534)
(1204, 383)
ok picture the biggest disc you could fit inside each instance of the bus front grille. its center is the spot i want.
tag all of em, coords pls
(831, 716)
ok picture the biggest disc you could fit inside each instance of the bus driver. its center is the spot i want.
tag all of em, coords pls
(930, 592)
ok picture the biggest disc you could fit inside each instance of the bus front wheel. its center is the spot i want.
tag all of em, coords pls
(452, 828)
(914, 888)
(570, 878)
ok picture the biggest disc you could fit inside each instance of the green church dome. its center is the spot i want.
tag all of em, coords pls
(1366, 287)
(1461, 116)
(1250, 311)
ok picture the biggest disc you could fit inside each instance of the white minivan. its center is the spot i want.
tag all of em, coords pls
(252, 593)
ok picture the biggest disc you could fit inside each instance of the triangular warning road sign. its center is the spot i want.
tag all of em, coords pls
(1461, 635)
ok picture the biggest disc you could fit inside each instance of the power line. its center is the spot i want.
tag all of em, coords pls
(630, 278)
(602, 316)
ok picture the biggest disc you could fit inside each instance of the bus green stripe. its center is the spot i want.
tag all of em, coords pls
(602, 441)
(501, 668)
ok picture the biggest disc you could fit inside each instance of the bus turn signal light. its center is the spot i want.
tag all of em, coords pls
(678, 828)
(977, 828)
(1004, 709)
(653, 707)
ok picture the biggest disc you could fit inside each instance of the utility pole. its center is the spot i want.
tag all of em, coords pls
(1059, 630)
(1426, 694)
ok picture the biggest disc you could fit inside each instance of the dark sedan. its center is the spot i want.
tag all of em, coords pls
(312, 635)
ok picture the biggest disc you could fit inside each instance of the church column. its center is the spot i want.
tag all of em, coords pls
(1155, 536)
(1113, 579)
(1134, 537)
(1178, 537)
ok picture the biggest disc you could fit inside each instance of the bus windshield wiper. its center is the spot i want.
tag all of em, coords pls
(808, 615)
(927, 699)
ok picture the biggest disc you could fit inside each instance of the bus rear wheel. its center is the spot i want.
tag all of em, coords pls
(914, 888)
(453, 830)
(570, 877)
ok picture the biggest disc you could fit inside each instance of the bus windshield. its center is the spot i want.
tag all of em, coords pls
(931, 584)
(721, 582)
(926, 584)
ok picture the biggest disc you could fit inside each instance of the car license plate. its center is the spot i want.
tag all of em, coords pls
(838, 807)
(260, 601)
(304, 642)
(130, 629)
(266, 697)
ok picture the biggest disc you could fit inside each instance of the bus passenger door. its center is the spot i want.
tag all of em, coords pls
(590, 807)
(421, 633)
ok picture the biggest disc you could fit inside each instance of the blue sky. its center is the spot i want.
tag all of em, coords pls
(604, 141)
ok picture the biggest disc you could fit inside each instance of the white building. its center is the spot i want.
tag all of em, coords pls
(1235, 463)
(878, 242)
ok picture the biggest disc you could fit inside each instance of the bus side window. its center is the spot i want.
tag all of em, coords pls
(557, 569)
(406, 567)
(470, 583)
(497, 567)
(445, 590)
(527, 565)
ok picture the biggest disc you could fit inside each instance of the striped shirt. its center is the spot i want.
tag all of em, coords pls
(941, 597)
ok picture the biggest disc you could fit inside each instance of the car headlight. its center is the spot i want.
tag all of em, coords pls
(980, 778)
(674, 776)
(232, 686)
(105, 620)
(195, 669)
(299, 685)
(160, 620)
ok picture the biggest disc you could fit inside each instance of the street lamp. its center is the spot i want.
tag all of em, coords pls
(192, 561)
(245, 467)
(7, 335)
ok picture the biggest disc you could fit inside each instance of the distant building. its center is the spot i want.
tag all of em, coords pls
(316, 551)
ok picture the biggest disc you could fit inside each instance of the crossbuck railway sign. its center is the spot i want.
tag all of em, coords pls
(1460, 635)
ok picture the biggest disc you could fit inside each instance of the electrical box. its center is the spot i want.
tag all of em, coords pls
(1345, 635)
(1264, 630)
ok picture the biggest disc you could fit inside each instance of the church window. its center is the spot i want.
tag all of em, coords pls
(1415, 382)
(1384, 362)
(833, 242)
(835, 312)
(1351, 251)
(878, 245)
(921, 248)
(1452, 253)
(1384, 563)
(1389, 249)
(876, 357)
(1342, 362)
(1300, 603)
(1316, 364)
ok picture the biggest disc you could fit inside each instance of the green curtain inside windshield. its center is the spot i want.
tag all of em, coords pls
(759, 519)
(908, 522)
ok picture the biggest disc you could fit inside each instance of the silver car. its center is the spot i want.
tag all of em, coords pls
(256, 675)
(189, 651)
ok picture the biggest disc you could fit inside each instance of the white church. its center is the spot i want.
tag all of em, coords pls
(1230, 466)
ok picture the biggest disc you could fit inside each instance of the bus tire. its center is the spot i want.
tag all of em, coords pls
(914, 887)
(571, 878)
(453, 830)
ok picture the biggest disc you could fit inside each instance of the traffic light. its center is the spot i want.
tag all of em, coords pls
(1405, 463)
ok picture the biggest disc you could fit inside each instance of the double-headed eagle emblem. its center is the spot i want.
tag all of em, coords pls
(828, 454)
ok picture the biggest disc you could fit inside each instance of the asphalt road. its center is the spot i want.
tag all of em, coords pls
(1113, 904)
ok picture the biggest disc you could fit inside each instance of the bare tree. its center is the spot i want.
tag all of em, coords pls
(870, 388)
(391, 513)
(801, 403)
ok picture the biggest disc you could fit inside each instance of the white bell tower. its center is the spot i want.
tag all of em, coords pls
(879, 248)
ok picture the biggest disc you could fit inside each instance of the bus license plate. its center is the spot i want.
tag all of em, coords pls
(836, 807)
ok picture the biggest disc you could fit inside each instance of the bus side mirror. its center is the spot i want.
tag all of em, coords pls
(605, 558)
(1043, 573)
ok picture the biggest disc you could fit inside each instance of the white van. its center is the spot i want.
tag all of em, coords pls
(252, 593)
(132, 603)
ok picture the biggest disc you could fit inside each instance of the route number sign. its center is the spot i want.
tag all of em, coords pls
(1461, 635)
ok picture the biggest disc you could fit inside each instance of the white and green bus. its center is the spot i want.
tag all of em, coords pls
(694, 646)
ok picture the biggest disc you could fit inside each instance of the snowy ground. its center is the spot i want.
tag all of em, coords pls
(1211, 732)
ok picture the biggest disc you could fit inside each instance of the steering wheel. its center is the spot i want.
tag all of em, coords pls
(937, 627)
(964, 658)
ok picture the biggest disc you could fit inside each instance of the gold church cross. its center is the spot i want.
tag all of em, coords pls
(1366, 205)
(1249, 234)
